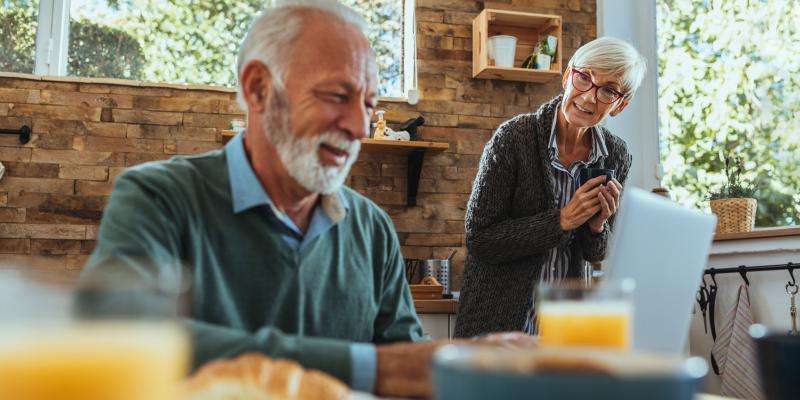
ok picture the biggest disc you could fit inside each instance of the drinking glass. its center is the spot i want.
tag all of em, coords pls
(48, 351)
(574, 313)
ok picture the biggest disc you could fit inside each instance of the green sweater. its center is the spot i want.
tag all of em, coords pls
(250, 291)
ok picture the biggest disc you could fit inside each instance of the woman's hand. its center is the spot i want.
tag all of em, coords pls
(584, 204)
(510, 339)
(608, 196)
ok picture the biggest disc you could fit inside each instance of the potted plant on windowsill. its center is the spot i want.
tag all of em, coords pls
(734, 204)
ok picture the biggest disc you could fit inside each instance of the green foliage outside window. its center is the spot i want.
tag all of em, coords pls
(385, 21)
(103, 51)
(94, 51)
(729, 81)
(17, 36)
(176, 41)
(197, 42)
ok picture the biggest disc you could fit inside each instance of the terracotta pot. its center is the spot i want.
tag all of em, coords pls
(734, 215)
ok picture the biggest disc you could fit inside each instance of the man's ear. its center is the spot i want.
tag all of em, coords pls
(621, 106)
(256, 83)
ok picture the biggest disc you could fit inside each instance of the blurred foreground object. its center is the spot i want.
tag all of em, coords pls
(47, 353)
(257, 377)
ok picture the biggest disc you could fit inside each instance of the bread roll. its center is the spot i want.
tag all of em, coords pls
(257, 377)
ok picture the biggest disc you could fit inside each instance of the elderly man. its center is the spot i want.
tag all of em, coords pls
(283, 259)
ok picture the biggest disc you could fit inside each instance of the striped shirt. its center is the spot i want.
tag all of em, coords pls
(565, 183)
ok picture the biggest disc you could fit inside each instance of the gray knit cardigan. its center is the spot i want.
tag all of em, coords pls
(512, 222)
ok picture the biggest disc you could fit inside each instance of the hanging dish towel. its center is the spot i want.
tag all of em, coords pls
(735, 352)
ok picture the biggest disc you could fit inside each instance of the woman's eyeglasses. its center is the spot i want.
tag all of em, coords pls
(582, 82)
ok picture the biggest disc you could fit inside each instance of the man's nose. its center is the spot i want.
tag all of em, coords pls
(355, 121)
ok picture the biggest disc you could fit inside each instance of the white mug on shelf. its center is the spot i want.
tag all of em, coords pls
(502, 49)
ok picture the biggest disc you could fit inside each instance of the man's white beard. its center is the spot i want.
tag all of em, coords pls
(300, 155)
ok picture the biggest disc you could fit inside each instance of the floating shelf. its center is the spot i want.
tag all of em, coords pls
(399, 146)
(518, 74)
(414, 150)
(528, 28)
(227, 136)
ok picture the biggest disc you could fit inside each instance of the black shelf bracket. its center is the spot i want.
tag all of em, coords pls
(24, 133)
(415, 158)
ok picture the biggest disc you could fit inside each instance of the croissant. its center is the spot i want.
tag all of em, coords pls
(257, 377)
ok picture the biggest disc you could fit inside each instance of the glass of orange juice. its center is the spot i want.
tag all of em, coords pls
(46, 352)
(573, 313)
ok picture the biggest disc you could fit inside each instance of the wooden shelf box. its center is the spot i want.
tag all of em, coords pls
(529, 29)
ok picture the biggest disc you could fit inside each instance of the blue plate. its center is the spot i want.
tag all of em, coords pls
(476, 372)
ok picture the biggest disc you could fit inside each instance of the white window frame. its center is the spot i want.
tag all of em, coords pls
(635, 21)
(52, 38)
(52, 43)
(410, 50)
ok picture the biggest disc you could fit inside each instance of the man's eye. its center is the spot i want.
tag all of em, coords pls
(337, 97)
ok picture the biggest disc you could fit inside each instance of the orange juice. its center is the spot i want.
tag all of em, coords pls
(588, 324)
(92, 361)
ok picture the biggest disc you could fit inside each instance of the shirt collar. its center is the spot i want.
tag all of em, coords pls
(247, 191)
(598, 151)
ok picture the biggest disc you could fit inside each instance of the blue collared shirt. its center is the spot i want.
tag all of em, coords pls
(247, 192)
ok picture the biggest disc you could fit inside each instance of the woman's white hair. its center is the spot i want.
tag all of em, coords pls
(272, 34)
(614, 57)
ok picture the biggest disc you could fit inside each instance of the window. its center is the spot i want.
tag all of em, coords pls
(729, 81)
(17, 35)
(187, 41)
(385, 20)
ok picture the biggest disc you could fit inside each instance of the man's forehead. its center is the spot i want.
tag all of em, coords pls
(335, 52)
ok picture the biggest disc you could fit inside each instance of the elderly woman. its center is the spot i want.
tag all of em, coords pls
(527, 219)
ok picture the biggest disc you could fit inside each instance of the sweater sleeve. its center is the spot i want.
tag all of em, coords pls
(136, 270)
(492, 234)
(594, 244)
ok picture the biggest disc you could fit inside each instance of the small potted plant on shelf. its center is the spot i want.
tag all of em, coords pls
(543, 54)
(734, 204)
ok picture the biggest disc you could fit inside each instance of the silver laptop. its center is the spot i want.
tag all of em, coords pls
(664, 247)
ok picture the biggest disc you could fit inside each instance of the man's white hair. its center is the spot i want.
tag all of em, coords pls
(614, 57)
(272, 35)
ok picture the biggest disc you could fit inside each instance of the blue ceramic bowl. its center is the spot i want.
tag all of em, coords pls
(474, 372)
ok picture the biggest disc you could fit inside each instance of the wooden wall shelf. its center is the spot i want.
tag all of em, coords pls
(529, 29)
(414, 150)
(518, 74)
(400, 147)
(227, 136)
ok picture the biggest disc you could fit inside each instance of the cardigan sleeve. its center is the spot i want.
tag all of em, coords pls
(492, 235)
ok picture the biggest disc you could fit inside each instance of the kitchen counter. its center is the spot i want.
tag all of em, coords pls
(444, 306)
(438, 317)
